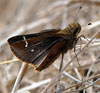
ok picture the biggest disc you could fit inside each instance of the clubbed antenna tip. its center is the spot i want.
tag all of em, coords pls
(89, 23)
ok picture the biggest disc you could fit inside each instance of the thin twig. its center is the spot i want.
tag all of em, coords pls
(83, 82)
(35, 85)
(68, 75)
(61, 65)
(20, 77)
(98, 75)
(9, 61)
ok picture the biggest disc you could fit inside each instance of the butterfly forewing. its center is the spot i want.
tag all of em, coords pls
(36, 49)
(40, 35)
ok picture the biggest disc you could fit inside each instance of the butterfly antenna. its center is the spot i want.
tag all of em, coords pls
(76, 16)
(89, 24)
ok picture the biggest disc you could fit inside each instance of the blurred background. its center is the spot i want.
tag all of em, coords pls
(32, 16)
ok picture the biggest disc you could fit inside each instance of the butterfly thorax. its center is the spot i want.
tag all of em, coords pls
(71, 35)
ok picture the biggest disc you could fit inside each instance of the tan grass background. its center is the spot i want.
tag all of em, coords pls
(30, 16)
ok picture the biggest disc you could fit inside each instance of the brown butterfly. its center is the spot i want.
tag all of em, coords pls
(42, 49)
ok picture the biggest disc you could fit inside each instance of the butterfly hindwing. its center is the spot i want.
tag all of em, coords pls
(54, 52)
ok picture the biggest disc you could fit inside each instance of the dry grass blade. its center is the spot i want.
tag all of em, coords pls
(9, 61)
(20, 77)
(96, 76)
(35, 85)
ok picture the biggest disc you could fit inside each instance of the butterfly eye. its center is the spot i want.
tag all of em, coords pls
(76, 31)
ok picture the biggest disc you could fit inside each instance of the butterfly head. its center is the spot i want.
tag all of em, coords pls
(72, 29)
(75, 28)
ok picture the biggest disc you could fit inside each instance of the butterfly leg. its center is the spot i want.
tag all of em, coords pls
(76, 56)
(59, 77)
(84, 37)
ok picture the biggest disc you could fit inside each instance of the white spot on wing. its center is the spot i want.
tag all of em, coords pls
(26, 43)
(32, 50)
